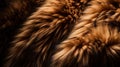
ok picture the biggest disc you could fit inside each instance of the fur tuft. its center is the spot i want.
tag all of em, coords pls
(60, 33)
(99, 48)
(43, 30)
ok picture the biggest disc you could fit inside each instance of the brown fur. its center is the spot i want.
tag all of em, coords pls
(94, 40)
(100, 48)
(43, 30)
(13, 13)
(68, 33)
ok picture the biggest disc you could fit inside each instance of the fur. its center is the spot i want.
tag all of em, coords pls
(62, 33)
(90, 44)
(13, 13)
(54, 20)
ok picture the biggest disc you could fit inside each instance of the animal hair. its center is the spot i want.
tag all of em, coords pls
(42, 31)
(13, 13)
(63, 33)
(90, 44)
(99, 48)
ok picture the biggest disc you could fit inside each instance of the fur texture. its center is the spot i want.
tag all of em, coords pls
(64, 33)
(13, 13)
(94, 40)
(54, 20)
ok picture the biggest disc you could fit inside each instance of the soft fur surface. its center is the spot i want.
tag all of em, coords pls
(60, 33)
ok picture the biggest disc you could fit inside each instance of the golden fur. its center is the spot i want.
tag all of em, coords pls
(43, 30)
(94, 40)
(68, 33)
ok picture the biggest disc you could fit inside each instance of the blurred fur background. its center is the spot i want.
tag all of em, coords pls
(59, 33)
